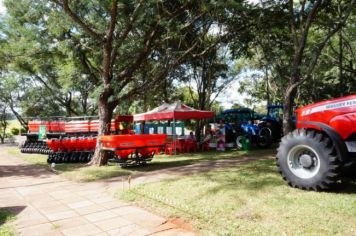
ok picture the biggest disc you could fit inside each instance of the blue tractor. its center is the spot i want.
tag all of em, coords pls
(260, 136)
(241, 124)
(273, 121)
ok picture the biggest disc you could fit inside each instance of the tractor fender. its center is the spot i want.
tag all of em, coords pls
(340, 146)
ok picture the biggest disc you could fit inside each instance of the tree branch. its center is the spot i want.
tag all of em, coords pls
(64, 4)
(159, 77)
(292, 25)
(123, 36)
(120, 40)
(89, 68)
(317, 51)
(305, 31)
(129, 70)
(302, 11)
(112, 24)
(62, 101)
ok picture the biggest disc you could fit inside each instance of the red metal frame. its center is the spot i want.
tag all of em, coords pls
(75, 126)
(340, 114)
(72, 144)
(124, 145)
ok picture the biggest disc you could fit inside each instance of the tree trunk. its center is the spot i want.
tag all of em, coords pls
(341, 79)
(288, 103)
(3, 135)
(198, 130)
(267, 87)
(22, 121)
(100, 157)
(200, 123)
(85, 103)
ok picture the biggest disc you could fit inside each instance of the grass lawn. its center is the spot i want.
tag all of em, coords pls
(80, 172)
(6, 217)
(249, 199)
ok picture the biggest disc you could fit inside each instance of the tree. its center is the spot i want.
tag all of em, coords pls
(293, 61)
(10, 94)
(334, 75)
(44, 60)
(125, 37)
(302, 18)
(3, 122)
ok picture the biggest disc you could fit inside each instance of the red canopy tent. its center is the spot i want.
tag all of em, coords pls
(175, 111)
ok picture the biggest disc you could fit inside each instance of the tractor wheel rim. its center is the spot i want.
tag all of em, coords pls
(239, 142)
(303, 161)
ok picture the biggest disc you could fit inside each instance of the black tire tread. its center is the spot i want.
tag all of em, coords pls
(334, 166)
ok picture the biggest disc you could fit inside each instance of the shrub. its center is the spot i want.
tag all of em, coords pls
(15, 131)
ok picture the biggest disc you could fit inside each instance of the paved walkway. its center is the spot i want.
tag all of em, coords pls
(47, 204)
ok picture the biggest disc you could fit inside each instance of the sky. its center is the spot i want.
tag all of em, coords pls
(231, 95)
(2, 7)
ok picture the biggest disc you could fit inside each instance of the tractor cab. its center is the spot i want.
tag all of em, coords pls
(274, 113)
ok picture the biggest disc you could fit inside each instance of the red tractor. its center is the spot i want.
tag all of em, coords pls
(314, 155)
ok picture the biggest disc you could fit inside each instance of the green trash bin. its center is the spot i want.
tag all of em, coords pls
(245, 143)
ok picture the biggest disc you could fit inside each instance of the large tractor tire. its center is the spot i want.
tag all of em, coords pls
(264, 138)
(307, 160)
(275, 127)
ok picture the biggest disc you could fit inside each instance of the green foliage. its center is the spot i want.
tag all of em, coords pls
(62, 63)
(3, 122)
(51, 66)
(15, 131)
(48, 76)
(6, 217)
(270, 55)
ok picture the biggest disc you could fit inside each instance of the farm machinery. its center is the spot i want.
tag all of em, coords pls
(71, 149)
(133, 150)
(323, 146)
(75, 140)
(125, 149)
(64, 128)
(273, 121)
(260, 136)
(242, 126)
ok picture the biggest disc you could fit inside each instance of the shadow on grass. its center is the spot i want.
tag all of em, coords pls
(161, 162)
(256, 175)
(262, 174)
(9, 213)
(166, 162)
(153, 166)
(347, 186)
(66, 167)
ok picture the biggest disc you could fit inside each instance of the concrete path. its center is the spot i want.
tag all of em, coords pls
(47, 204)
